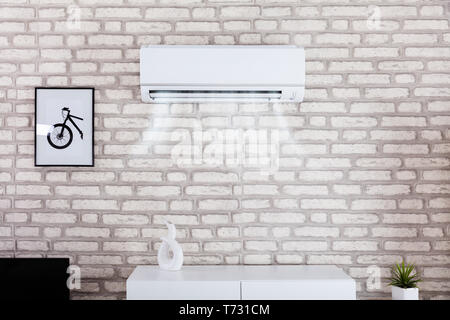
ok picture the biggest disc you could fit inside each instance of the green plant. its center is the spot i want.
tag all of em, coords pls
(404, 276)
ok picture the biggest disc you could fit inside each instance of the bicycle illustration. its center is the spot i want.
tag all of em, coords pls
(61, 136)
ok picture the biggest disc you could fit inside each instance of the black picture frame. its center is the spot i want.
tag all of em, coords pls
(92, 164)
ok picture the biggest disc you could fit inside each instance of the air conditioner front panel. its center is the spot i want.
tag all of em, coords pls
(223, 65)
(225, 73)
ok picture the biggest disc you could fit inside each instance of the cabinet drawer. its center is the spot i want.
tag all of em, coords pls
(183, 290)
(299, 290)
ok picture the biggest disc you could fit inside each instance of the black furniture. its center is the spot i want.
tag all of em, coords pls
(34, 279)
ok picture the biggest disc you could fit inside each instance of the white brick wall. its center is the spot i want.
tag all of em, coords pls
(364, 161)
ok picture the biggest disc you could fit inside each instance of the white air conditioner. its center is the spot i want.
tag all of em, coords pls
(222, 73)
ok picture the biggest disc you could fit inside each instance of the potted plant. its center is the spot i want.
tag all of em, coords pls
(404, 281)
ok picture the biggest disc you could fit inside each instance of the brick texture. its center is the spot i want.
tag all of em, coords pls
(364, 160)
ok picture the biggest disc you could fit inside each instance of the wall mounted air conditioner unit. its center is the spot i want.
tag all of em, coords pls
(222, 73)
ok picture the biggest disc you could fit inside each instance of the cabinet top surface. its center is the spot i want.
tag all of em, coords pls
(239, 273)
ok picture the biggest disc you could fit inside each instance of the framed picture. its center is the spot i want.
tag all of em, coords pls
(64, 127)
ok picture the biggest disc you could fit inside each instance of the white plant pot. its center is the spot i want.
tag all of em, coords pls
(405, 294)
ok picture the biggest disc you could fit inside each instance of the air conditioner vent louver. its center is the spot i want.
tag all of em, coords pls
(251, 95)
(222, 73)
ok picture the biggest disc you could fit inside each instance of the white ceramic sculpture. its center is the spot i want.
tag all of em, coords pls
(170, 254)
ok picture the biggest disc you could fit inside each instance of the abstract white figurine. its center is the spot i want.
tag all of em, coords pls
(170, 254)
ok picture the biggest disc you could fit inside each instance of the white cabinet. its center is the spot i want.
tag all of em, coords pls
(241, 283)
(298, 290)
